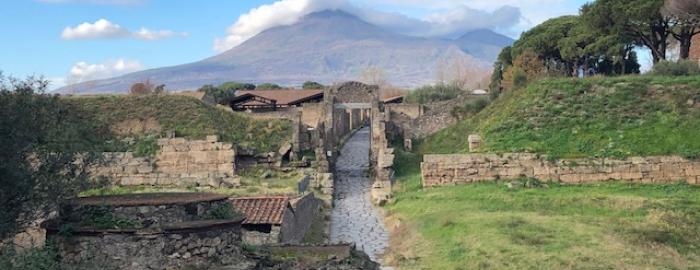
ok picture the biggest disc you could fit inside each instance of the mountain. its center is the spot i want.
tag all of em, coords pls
(483, 43)
(327, 46)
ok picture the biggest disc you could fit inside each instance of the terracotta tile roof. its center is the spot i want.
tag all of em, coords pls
(284, 97)
(261, 210)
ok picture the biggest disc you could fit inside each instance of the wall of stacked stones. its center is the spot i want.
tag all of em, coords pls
(178, 162)
(695, 49)
(438, 170)
(171, 249)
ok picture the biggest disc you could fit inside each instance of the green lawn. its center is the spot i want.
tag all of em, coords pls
(489, 226)
(596, 117)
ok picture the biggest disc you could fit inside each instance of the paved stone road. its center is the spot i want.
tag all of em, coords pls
(354, 219)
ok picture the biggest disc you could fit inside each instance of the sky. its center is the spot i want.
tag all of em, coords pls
(70, 41)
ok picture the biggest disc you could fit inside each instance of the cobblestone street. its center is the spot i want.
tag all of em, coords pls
(354, 219)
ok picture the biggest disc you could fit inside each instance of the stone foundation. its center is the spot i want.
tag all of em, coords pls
(178, 162)
(439, 170)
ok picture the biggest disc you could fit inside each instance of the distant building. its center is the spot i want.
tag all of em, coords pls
(695, 49)
(480, 92)
(271, 100)
(276, 219)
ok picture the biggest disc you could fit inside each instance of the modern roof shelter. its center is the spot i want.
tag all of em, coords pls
(273, 99)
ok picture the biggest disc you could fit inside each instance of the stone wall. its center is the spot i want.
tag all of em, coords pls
(178, 246)
(297, 220)
(430, 117)
(438, 170)
(254, 237)
(381, 156)
(178, 162)
(412, 111)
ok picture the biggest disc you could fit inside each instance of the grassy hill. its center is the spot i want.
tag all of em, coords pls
(140, 116)
(611, 225)
(601, 117)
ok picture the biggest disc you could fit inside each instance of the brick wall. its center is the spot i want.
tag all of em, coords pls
(438, 170)
(695, 49)
(178, 162)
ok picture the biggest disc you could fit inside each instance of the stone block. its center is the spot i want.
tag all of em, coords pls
(144, 168)
(212, 138)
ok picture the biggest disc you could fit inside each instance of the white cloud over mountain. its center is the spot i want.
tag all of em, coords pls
(448, 22)
(83, 71)
(104, 29)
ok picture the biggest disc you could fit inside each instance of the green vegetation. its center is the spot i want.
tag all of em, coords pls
(45, 258)
(185, 116)
(40, 138)
(312, 85)
(529, 225)
(224, 211)
(680, 68)
(101, 217)
(225, 91)
(433, 93)
(597, 117)
(268, 86)
(254, 181)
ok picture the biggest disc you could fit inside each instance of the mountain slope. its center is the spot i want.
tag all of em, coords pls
(327, 47)
(483, 43)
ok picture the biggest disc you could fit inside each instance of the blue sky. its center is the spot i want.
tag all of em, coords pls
(44, 37)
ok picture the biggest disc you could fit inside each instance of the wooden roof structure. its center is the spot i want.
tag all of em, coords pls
(273, 99)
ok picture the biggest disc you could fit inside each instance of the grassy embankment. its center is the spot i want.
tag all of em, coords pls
(145, 118)
(597, 226)
(141, 116)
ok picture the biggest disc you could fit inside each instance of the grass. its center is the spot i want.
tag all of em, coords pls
(185, 116)
(596, 117)
(490, 226)
(252, 184)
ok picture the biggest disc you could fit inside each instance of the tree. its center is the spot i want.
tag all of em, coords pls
(268, 86)
(219, 94)
(46, 146)
(641, 18)
(236, 86)
(685, 15)
(312, 85)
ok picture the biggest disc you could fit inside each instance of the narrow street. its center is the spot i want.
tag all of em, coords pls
(354, 219)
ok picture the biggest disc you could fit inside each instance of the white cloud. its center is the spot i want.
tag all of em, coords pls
(83, 71)
(439, 23)
(104, 29)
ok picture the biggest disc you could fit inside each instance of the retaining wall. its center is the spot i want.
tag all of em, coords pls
(178, 162)
(438, 170)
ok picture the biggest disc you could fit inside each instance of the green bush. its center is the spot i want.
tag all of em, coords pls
(680, 68)
(472, 107)
(146, 147)
(45, 258)
(433, 93)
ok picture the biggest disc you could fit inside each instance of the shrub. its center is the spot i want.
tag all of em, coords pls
(433, 93)
(680, 68)
(472, 107)
(45, 258)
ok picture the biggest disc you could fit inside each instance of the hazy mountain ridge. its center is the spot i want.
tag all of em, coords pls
(327, 47)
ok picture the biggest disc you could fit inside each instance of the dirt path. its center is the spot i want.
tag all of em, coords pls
(354, 219)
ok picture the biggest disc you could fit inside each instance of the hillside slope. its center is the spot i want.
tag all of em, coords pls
(600, 117)
(138, 116)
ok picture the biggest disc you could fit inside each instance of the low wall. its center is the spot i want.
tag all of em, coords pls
(148, 210)
(178, 162)
(438, 170)
(302, 212)
(178, 246)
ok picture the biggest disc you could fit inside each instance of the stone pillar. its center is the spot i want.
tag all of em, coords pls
(474, 142)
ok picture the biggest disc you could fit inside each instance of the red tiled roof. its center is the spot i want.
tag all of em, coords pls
(261, 210)
(284, 97)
